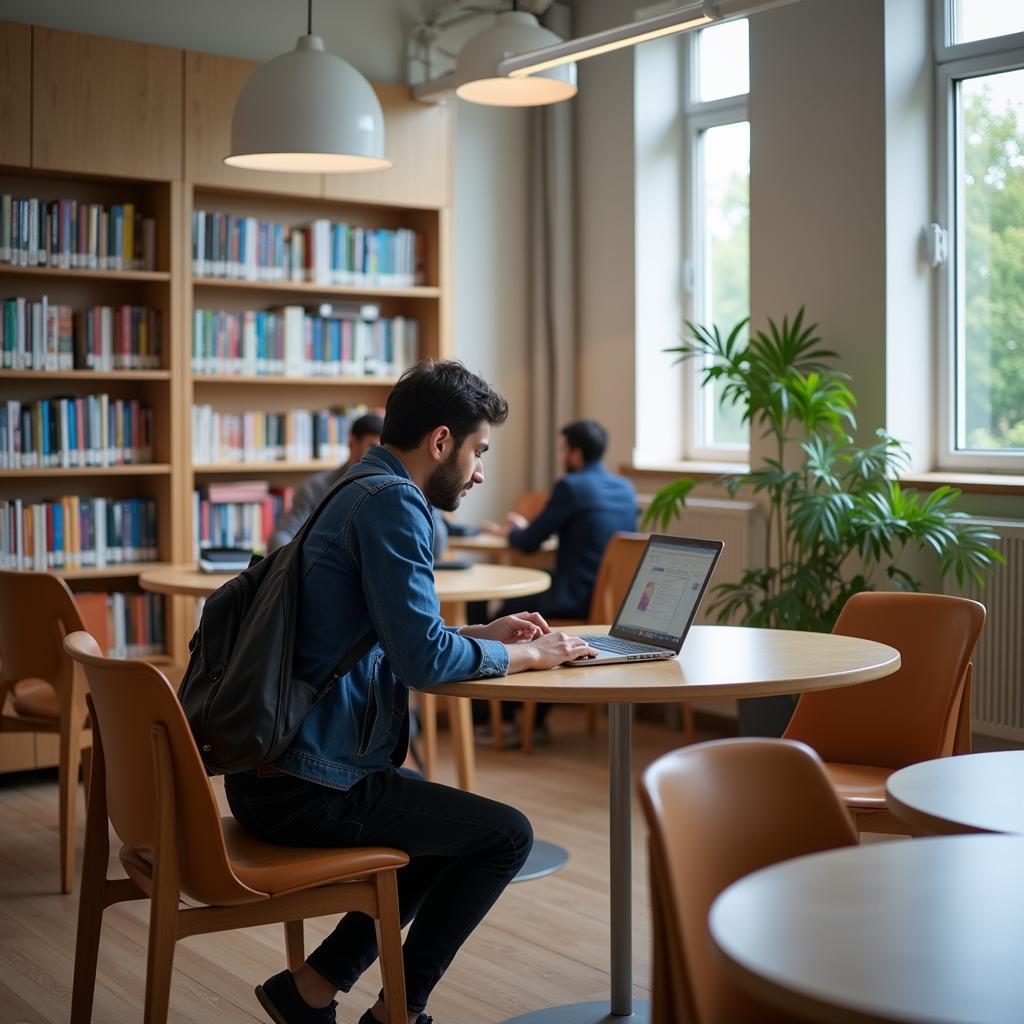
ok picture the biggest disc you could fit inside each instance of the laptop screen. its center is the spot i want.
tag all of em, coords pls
(666, 590)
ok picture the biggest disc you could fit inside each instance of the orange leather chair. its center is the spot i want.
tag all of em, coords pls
(175, 844)
(46, 693)
(716, 812)
(618, 564)
(864, 733)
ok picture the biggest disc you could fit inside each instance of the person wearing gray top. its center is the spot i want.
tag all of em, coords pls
(364, 434)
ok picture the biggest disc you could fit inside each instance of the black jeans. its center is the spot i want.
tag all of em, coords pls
(463, 849)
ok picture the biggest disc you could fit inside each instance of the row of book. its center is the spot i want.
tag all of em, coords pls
(299, 435)
(75, 532)
(125, 625)
(324, 252)
(75, 235)
(48, 336)
(90, 430)
(294, 342)
(238, 514)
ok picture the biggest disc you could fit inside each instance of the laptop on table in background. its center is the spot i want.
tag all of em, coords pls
(662, 599)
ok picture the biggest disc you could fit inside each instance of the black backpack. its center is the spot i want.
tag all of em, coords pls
(242, 701)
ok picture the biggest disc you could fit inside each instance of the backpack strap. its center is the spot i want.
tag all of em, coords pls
(365, 643)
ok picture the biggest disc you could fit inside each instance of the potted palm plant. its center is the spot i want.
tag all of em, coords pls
(837, 516)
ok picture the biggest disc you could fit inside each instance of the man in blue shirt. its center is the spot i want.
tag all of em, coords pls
(367, 565)
(587, 506)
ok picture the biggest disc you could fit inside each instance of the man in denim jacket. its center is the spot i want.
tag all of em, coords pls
(367, 564)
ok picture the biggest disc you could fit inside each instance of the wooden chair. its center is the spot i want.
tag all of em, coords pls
(618, 564)
(864, 733)
(160, 802)
(718, 811)
(529, 504)
(45, 691)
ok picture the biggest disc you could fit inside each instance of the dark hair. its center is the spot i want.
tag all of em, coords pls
(367, 425)
(445, 394)
(588, 436)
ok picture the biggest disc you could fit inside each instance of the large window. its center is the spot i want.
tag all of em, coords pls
(980, 62)
(717, 278)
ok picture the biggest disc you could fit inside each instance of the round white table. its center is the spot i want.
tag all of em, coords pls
(926, 931)
(968, 793)
(454, 588)
(716, 661)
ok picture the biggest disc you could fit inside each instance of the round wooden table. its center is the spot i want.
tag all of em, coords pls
(454, 588)
(928, 931)
(716, 661)
(497, 549)
(968, 793)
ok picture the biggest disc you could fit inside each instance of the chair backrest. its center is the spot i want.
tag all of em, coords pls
(131, 700)
(908, 716)
(716, 812)
(618, 564)
(529, 504)
(37, 611)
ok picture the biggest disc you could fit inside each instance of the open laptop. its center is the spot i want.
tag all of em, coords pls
(653, 620)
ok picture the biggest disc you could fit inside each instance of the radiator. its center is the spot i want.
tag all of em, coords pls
(998, 686)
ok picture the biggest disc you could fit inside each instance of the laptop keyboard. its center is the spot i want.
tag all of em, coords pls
(614, 645)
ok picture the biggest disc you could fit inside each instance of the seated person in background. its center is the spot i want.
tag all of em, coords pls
(587, 506)
(362, 436)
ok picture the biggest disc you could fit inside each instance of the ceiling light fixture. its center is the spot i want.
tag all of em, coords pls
(525, 60)
(513, 32)
(308, 111)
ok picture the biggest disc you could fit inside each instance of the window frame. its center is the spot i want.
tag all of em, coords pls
(954, 63)
(698, 117)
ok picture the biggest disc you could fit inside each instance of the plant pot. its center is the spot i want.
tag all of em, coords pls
(765, 716)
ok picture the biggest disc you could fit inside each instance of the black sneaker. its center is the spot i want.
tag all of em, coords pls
(280, 998)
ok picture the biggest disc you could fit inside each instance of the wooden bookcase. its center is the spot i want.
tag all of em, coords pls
(113, 121)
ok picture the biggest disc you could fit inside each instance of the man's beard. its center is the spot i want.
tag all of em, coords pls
(445, 486)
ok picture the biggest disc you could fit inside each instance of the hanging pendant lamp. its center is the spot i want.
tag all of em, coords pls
(513, 33)
(308, 111)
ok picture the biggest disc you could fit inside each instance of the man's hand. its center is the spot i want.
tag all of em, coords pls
(512, 521)
(510, 629)
(547, 652)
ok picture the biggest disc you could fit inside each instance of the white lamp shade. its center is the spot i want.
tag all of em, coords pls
(308, 111)
(513, 33)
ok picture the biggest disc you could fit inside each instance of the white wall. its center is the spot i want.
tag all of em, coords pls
(491, 155)
(605, 231)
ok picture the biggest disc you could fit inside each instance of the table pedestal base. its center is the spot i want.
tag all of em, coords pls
(545, 859)
(585, 1013)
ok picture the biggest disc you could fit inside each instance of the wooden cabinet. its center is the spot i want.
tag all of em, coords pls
(15, 94)
(105, 106)
(212, 85)
(418, 142)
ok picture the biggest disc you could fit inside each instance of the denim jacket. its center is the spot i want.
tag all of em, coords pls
(367, 563)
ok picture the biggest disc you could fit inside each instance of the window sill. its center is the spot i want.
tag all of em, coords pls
(696, 470)
(969, 483)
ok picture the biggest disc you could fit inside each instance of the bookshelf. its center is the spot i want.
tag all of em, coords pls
(112, 122)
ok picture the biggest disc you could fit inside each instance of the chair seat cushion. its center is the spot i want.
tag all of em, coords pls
(35, 698)
(859, 785)
(281, 869)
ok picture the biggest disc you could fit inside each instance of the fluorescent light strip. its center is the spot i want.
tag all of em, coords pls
(680, 20)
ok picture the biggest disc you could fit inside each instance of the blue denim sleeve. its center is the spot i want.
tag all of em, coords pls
(390, 539)
(553, 516)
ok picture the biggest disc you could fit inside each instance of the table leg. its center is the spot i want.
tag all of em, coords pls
(460, 712)
(428, 727)
(620, 843)
(461, 718)
(620, 744)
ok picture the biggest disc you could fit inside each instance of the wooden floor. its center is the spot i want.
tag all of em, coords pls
(545, 943)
